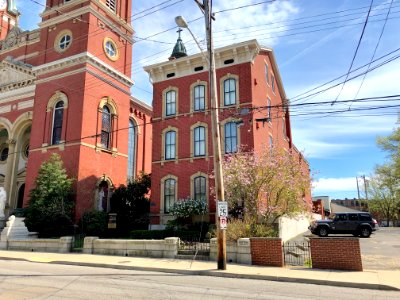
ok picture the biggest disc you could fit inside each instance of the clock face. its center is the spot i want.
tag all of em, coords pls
(3, 4)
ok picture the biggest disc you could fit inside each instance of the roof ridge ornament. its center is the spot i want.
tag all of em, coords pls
(179, 48)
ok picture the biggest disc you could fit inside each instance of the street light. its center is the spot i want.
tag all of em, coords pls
(181, 22)
(219, 184)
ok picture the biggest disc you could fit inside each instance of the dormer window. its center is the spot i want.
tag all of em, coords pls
(111, 5)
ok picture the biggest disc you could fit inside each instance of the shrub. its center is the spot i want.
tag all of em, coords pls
(94, 223)
(162, 234)
(132, 205)
(185, 208)
(238, 229)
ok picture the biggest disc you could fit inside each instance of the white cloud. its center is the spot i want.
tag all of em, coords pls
(328, 185)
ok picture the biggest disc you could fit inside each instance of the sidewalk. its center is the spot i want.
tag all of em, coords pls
(369, 279)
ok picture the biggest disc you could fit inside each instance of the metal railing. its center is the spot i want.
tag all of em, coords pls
(194, 248)
(297, 254)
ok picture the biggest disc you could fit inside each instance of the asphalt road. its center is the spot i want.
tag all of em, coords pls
(27, 280)
(382, 250)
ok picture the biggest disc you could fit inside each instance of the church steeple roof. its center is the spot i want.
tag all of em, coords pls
(179, 48)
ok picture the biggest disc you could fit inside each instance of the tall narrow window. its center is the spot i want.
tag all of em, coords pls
(106, 127)
(231, 141)
(199, 188)
(266, 73)
(169, 194)
(170, 103)
(170, 144)
(269, 109)
(199, 142)
(199, 98)
(273, 83)
(57, 122)
(131, 150)
(284, 128)
(271, 142)
(230, 91)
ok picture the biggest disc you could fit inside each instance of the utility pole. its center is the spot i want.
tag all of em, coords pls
(358, 189)
(219, 183)
(365, 187)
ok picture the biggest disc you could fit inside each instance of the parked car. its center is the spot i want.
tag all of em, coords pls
(357, 224)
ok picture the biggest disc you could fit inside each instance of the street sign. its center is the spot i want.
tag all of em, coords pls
(222, 223)
(222, 208)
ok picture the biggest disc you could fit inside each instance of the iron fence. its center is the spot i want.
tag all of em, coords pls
(194, 244)
(297, 254)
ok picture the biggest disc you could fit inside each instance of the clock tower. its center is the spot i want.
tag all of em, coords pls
(8, 17)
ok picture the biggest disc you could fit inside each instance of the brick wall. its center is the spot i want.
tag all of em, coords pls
(336, 253)
(266, 251)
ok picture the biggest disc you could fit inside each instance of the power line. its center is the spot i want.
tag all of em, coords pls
(299, 96)
(376, 48)
(355, 53)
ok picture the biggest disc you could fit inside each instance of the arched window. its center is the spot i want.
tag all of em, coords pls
(231, 138)
(131, 150)
(169, 194)
(58, 114)
(230, 91)
(106, 127)
(199, 141)
(170, 144)
(199, 188)
(170, 103)
(199, 97)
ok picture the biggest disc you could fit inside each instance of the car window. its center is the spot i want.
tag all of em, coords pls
(365, 217)
(353, 217)
(341, 218)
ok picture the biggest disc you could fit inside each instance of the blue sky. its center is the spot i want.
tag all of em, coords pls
(314, 42)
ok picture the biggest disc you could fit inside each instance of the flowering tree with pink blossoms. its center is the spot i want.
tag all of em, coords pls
(266, 185)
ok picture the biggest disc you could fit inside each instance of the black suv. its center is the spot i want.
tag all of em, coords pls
(358, 224)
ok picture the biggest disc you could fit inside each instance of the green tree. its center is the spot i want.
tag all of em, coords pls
(132, 204)
(50, 207)
(383, 192)
(269, 183)
(384, 187)
(391, 144)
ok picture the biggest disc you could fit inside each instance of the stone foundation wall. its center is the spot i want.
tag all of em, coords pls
(61, 245)
(236, 252)
(167, 248)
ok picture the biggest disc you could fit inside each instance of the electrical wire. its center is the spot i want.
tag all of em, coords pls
(355, 53)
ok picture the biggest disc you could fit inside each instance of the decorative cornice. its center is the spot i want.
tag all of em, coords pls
(17, 67)
(244, 52)
(84, 10)
(83, 58)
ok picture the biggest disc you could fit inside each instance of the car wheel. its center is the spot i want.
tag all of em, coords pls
(323, 231)
(365, 232)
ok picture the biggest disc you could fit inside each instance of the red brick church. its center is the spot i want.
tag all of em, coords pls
(65, 88)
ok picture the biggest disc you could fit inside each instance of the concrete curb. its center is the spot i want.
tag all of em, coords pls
(224, 274)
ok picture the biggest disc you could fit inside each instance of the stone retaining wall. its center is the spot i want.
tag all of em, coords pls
(236, 252)
(167, 248)
(61, 245)
(336, 253)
